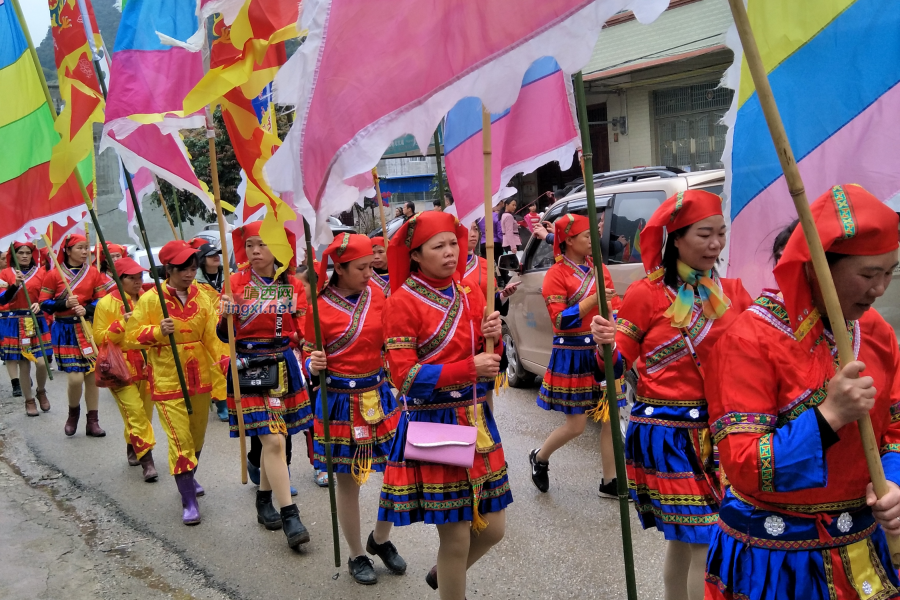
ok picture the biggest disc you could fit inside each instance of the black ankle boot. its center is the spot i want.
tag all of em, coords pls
(265, 512)
(17, 389)
(294, 530)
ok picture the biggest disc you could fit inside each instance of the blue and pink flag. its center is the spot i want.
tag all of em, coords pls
(542, 126)
(834, 68)
(355, 97)
(154, 66)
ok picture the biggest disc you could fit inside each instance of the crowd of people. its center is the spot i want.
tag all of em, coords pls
(740, 447)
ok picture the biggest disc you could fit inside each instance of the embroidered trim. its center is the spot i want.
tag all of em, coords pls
(830, 507)
(355, 325)
(842, 540)
(400, 343)
(410, 378)
(554, 299)
(844, 211)
(807, 324)
(630, 329)
(742, 423)
(766, 464)
(810, 399)
(890, 448)
(345, 241)
(471, 265)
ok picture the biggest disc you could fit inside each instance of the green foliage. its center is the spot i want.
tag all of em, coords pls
(229, 174)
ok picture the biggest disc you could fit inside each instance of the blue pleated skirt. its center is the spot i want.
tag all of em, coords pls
(11, 333)
(66, 347)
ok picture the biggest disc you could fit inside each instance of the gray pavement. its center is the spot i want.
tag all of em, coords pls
(563, 544)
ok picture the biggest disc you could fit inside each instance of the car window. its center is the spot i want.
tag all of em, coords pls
(712, 189)
(540, 253)
(630, 213)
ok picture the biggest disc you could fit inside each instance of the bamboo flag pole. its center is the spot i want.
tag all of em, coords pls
(488, 229)
(226, 290)
(618, 447)
(162, 202)
(323, 389)
(816, 252)
(137, 208)
(440, 171)
(380, 200)
(88, 335)
(35, 262)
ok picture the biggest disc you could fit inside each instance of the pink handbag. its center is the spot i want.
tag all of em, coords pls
(443, 443)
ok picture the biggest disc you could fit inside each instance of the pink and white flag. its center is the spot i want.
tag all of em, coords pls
(144, 185)
(542, 126)
(354, 98)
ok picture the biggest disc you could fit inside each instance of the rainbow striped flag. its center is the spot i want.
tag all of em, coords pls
(834, 66)
(27, 138)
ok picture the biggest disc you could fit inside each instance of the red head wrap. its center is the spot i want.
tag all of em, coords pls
(35, 256)
(69, 241)
(378, 241)
(344, 248)
(679, 211)
(849, 220)
(568, 226)
(239, 238)
(117, 249)
(419, 229)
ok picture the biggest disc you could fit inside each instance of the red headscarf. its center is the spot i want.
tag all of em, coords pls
(117, 249)
(849, 220)
(681, 210)
(419, 229)
(567, 226)
(240, 235)
(69, 241)
(378, 241)
(35, 256)
(344, 248)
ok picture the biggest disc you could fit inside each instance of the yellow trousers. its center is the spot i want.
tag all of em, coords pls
(186, 432)
(137, 413)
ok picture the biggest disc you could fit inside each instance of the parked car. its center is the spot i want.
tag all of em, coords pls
(527, 331)
(622, 176)
(392, 226)
(140, 257)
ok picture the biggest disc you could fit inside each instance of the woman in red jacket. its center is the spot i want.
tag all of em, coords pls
(72, 348)
(362, 409)
(667, 327)
(435, 333)
(20, 340)
(800, 519)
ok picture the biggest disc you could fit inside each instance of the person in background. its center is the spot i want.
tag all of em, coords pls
(73, 351)
(134, 399)
(116, 252)
(209, 281)
(510, 228)
(532, 218)
(437, 205)
(4, 262)
(20, 342)
(498, 232)
(379, 265)
(398, 212)
(409, 210)
(320, 477)
(781, 240)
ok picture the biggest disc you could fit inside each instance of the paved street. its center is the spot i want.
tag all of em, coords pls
(77, 522)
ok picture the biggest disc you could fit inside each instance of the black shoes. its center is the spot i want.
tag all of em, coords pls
(539, 472)
(362, 570)
(265, 512)
(608, 489)
(431, 578)
(387, 553)
(17, 389)
(294, 530)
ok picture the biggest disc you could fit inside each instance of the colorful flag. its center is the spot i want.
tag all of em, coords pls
(356, 91)
(834, 68)
(79, 91)
(255, 37)
(249, 116)
(540, 127)
(154, 65)
(144, 185)
(27, 138)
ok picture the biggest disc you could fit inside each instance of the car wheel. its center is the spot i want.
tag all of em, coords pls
(630, 398)
(517, 375)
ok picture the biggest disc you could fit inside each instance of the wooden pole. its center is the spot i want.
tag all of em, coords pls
(816, 252)
(323, 390)
(488, 231)
(380, 200)
(618, 448)
(226, 289)
(84, 326)
(36, 263)
(162, 202)
(440, 171)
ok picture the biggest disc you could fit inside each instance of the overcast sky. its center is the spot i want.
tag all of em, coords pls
(37, 15)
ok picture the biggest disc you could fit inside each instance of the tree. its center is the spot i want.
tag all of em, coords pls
(191, 206)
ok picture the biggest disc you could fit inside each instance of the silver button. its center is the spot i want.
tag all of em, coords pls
(328, 380)
(867, 588)
(648, 411)
(845, 522)
(694, 413)
(353, 384)
(587, 340)
(774, 525)
(560, 341)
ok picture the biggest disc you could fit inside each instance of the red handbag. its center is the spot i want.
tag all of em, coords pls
(111, 370)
